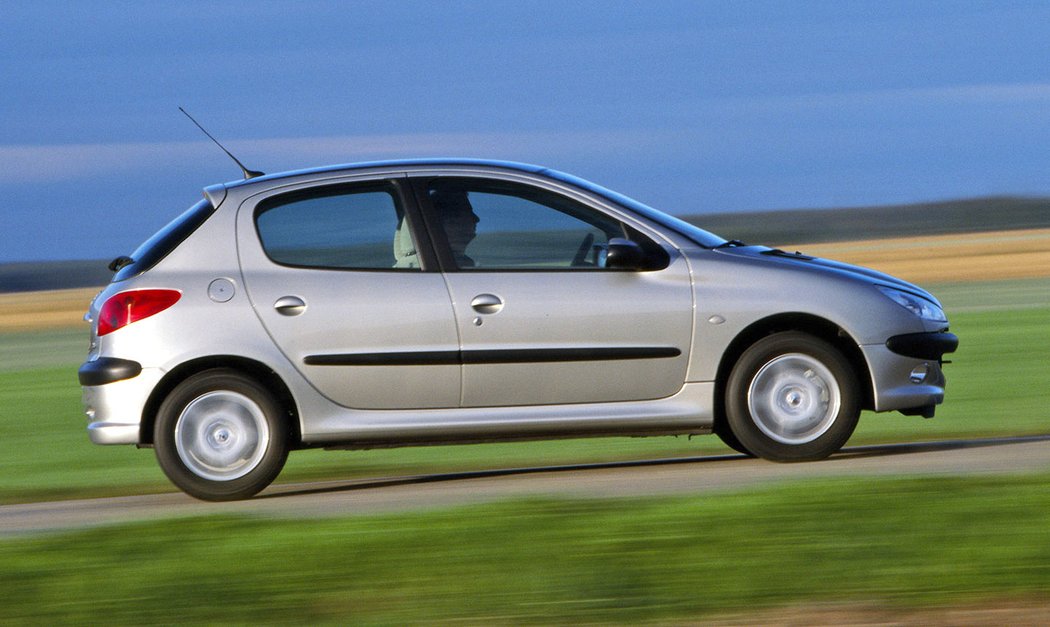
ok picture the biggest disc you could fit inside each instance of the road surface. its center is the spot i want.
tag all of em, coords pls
(689, 475)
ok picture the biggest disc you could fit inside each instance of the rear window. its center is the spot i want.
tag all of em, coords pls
(165, 240)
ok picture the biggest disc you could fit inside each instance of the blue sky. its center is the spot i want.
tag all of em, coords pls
(692, 107)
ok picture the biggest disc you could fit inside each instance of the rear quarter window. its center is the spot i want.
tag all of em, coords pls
(166, 240)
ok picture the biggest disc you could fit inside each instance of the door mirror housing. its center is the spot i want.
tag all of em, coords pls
(623, 254)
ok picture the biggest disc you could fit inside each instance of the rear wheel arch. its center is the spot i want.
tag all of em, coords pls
(221, 435)
(256, 370)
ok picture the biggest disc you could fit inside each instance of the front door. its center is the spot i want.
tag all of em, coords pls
(541, 320)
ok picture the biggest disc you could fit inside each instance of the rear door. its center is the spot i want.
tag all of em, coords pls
(336, 277)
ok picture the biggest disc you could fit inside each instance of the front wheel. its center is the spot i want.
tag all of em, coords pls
(792, 397)
(728, 438)
(220, 436)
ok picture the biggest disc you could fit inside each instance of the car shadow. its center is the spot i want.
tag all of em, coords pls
(846, 454)
(883, 450)
(368, 484)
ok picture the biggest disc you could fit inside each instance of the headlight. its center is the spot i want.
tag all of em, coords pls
(919, 306)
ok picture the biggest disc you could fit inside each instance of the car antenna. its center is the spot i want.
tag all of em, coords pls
(248, 174)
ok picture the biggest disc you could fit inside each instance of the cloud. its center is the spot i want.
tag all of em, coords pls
(985, 94)
(51, 163)
(998, 94)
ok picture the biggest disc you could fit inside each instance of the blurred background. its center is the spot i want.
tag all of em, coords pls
(909, 137)
(692, 107)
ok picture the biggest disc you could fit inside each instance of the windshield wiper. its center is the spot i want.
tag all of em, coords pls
(120, 262)
(733, 243)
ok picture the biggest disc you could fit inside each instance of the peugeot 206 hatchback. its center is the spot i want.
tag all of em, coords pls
(453, 301)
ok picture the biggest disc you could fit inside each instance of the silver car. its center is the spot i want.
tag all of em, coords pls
(454, 301)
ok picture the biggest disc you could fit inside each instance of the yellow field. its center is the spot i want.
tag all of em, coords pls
(29, 311)
(924, 260)
(947, 258)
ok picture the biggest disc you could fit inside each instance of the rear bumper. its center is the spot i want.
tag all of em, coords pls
(105, 370)
(113, 433)
(114, 410)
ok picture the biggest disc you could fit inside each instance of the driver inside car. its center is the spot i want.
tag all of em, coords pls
(459, 221)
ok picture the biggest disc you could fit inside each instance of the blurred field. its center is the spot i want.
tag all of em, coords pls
(947, 258)
(930, 259)
(870, 549)
(31, 311)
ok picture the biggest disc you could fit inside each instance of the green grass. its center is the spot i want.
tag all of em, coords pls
(31, 350)
(44, 450)
(891, 542)
(888, 542)
(997, 382)
(1006, 295)
(996, 387)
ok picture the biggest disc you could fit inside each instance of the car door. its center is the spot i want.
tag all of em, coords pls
(541, 320)
(334, 274)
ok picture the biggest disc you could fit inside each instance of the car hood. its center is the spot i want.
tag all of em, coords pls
(803, 262)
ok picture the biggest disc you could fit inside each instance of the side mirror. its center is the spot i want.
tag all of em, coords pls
(623, 254)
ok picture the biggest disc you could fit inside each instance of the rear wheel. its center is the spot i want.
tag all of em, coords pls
(221, 436)
(792, 397)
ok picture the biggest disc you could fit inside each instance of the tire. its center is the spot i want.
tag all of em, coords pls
(792, 397)
(726, 435)
(221, 436)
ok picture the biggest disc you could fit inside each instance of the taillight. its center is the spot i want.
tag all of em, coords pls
(124, 308)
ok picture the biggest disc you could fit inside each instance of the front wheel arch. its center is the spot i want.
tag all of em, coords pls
(792, 397)
(816, 326)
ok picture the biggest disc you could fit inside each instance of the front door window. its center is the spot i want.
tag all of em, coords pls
(490, 225)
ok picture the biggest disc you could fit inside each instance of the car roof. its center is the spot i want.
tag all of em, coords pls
(217, 193)
(395, 163)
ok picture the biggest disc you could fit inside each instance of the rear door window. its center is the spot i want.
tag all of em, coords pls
(348, 228)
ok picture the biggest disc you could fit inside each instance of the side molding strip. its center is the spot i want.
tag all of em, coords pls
(507, 356)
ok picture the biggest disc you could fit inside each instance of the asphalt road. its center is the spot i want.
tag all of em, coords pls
(689, 475)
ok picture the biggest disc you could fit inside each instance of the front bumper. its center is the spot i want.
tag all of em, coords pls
(906, 373)
(923, 345)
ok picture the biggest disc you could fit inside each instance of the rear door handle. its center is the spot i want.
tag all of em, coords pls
(290, 305)
(486, 303)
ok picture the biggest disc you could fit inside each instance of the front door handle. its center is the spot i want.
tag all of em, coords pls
(486, 303)
(290, 305)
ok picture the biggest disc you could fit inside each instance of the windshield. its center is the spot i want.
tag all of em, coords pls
(695, 233)
(165, 240)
